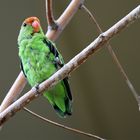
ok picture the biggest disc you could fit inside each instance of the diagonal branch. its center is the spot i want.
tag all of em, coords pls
(14, 92)
(63, 126)
(71, 65)
(112, 53)
(20, 82)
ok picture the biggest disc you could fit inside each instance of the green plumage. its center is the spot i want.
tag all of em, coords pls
(39, 60)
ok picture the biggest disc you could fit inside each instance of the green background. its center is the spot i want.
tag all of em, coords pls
(103, 104)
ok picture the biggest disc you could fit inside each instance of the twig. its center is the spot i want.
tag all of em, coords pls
(64, 19)
(112, 53)
(49, 14)
(20, 82)
(71, 65)
(62, 126)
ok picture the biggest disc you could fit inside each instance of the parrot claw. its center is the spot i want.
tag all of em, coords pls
(37, 88)
(58, 62)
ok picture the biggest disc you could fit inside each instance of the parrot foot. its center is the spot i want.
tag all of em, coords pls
(37, 89)
(58, 62)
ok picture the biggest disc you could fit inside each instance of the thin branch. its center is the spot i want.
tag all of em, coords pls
(70, 66)
(92, 17)
(112, 53)
(62, 126)
(14, 92)
(64, 19)
(20, 82)
(49, 14)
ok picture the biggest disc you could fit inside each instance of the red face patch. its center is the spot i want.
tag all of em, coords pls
(34, 22)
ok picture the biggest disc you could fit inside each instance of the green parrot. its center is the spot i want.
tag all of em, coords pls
(39, 60)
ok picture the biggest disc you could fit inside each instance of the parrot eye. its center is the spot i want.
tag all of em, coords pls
(24, 24)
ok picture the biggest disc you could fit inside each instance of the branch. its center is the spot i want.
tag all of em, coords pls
(64, 19)
(14, 92)
(49, 14)
(62, 126)
(70, 66)
(112, 53)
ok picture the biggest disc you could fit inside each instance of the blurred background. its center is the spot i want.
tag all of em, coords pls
(103, 104)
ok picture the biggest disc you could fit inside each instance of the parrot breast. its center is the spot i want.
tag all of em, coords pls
(37, 61)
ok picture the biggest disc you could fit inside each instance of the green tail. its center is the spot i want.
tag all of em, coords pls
(60, 98)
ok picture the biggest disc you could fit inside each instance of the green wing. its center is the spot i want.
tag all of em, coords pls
(60, 96)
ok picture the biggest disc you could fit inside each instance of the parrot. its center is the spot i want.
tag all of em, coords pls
(40, 59)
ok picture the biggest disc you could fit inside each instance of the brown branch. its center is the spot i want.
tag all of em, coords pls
(62, 126)
(112, 53)
(49, 14)
(70, 66)
(64, 19)
(14, 92)
(20, 82)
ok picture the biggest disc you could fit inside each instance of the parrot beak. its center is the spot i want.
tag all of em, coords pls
(36, 26)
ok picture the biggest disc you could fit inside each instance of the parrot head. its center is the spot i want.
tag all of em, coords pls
(29, 27)
(33, 22)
